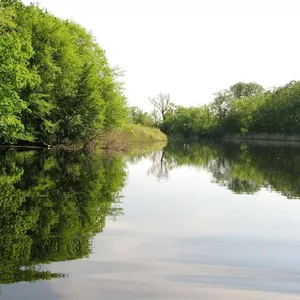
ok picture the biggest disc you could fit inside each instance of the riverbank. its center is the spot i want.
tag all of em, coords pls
(136, 133)
(263, 137)
(257, 138)
(131, 136)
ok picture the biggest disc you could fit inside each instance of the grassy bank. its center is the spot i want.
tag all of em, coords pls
(130, 138)
(136, 133)
(133, 138)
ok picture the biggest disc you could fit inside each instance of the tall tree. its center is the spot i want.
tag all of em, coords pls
(162, 103)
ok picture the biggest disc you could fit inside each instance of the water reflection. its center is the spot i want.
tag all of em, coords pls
(242, 168)
(51, 205)
(160, 166)
(182, 238)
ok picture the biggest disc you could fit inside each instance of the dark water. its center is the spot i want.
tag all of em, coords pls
(193, 221)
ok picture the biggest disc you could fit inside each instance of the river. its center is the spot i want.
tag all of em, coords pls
(190, 221)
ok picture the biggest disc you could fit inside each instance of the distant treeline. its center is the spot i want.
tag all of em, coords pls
(55, 82)
(244, 108)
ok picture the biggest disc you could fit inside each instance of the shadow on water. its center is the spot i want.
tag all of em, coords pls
(51, 205)
(243, 168)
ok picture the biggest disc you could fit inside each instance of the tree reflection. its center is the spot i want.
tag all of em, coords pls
(242, 168)
(160, 166)
(51, 204)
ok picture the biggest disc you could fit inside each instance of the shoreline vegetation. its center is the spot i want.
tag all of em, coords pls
(264, 137)
(244, 111)
(267, 137)
(57, 89)
(128, 139)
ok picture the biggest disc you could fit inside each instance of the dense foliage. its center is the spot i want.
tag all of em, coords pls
(51, 205)
(245, 108)
(55, 82)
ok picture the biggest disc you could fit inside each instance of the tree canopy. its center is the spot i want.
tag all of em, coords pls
(244, 108)
(56, 84)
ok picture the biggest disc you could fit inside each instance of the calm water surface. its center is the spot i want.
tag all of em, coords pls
(192, 221)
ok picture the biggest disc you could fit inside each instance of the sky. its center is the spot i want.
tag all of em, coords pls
(191, 49)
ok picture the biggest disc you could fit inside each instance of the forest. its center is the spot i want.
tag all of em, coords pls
(244, 108)
(56, 84)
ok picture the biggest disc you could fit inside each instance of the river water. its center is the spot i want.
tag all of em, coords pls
(191, 221)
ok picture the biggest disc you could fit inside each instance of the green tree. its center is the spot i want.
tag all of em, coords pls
(137, 116)
(242, 89)
(55, 81)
